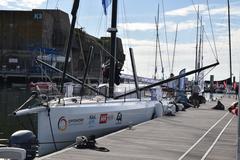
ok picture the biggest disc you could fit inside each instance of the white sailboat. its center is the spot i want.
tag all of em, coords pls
(60, 121)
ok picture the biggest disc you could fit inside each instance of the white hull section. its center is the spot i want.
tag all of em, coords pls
(97, 119)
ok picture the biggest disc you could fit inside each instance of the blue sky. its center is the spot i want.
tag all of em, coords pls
(137, 29)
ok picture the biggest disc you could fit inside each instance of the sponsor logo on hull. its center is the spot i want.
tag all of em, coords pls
(103, 118)
(63, 123)
(92, 121)
(119, 118)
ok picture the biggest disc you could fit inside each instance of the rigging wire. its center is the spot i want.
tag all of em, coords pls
(201, 78)
(51, 129)
(81, 47)
(210, 19)
(210, 44)
(126, 23)
(158, 46)
(50, 80)
(126, 45)
(194, 6)
(99, 25)
(46, 4)
(107, 52)
(214, 52)
(165, 29)
(57, 4)
(125, 32)
(212, 49)
(174, 49)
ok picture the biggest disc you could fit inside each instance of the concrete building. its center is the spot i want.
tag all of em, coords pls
(28, 34)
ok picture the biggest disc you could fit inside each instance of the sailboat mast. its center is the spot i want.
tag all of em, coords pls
(69, 45)
(196, 44)
(229, 38)
(113, 31)
(174, 48)
(199, 46)
(157, 39)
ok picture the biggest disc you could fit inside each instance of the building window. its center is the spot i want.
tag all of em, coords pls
(12, 60)
(38, 16)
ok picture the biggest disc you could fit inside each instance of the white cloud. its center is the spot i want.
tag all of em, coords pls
(139, 42)
(137, 26)
(186, 10)
(224, 25)
(3, 3)
(170, 25)
(216, 11)
(21, 4)
(234, 11)
(203, 9)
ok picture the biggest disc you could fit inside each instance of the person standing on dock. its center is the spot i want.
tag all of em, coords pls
(195, 95)
(236, 90)
(171, 86)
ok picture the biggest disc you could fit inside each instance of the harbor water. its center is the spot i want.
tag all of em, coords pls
(10, 99)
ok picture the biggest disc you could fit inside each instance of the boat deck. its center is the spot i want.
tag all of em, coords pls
(197, 133)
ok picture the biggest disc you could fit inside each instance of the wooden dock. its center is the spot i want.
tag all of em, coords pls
(195, 134)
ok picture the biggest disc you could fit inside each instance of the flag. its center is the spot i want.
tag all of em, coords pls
(225, 84)
(105, 4)
(182, 80)
(234, 85)
(201, 81)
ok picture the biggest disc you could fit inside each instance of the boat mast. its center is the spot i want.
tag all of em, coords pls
(229, 38)
(199, 46)
(174, 49)
(196, 60)
(157, 40)
(69, 45)
(134, 72)
(113, 31)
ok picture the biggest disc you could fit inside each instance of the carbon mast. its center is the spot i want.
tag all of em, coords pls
(113, 31)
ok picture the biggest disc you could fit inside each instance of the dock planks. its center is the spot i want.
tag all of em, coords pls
(165, 138)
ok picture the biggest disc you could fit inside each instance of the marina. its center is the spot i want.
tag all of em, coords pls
(68, 94)
(196, 134)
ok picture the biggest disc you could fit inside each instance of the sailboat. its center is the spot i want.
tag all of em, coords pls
(61, 120)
